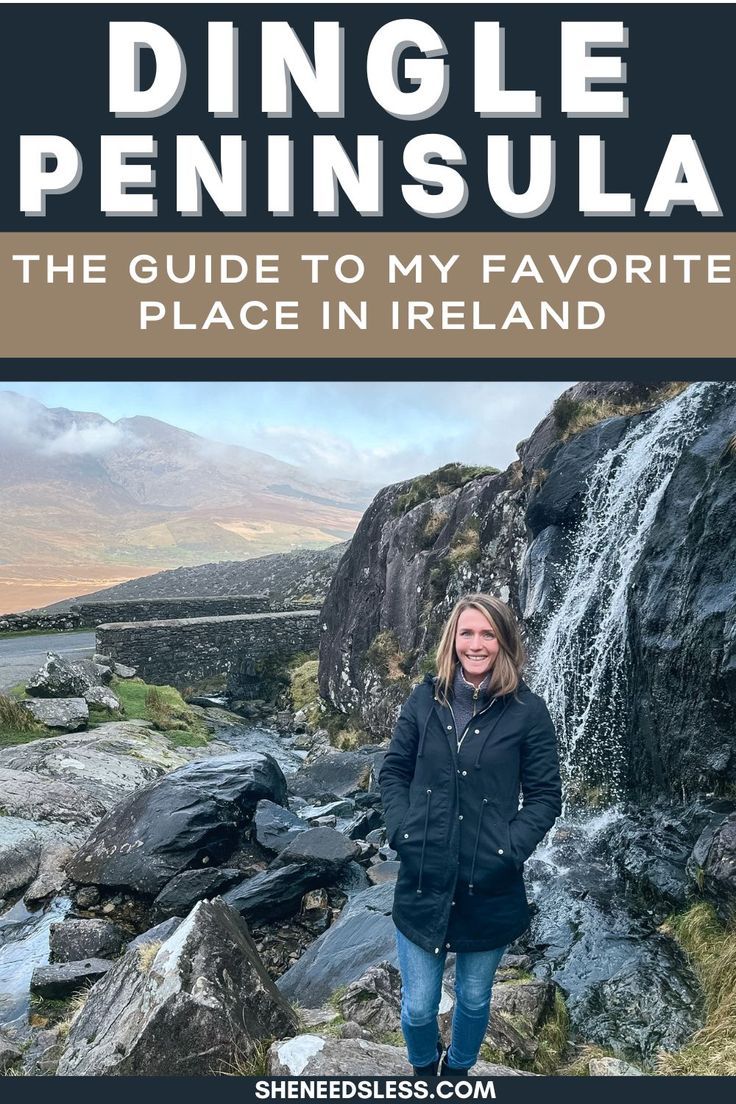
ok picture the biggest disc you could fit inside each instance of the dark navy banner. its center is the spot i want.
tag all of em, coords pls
(476, 161)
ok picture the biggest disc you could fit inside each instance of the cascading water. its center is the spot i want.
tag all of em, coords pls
(579, 663)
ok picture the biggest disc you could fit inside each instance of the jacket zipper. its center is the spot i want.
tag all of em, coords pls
(459, 740)
(475, 848)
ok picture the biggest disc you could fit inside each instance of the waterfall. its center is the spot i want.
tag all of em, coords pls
(579, 663)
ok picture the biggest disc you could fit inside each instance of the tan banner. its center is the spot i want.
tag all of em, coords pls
(431, 294)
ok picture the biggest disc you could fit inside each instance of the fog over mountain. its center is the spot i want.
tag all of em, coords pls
(84, 500)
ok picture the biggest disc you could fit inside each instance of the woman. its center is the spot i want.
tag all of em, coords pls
(467, 742)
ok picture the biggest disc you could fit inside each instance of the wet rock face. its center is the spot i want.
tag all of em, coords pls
(61, 980)
(189, 1007)
(712, 864)
(363, 936)
(683, 633)
(190, 818)
(627, 986)
(181, 894)
(275, 826)
(72, 940)
(559, 498)
(404, 570)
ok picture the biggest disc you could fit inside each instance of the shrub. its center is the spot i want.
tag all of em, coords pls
(304, 688)
(465, 546)
(438, 483)
(384, 654)
(14, 717)
(431, 529)
(574, 415)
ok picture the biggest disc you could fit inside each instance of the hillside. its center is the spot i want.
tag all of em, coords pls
(87, 502)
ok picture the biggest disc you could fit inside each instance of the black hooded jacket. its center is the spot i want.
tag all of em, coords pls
(454, 817)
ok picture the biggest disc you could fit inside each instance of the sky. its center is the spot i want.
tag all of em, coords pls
(375, 433)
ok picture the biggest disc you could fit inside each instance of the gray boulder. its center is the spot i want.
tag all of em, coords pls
(382, 872)
(319, 1056)
(108, 762)
(275, 893)
(190, 818)
(33, 797)
(276, 826)
(69, 714)
(323, 850)
(531, 1000)
(191, 1007)
(73, 940)
(363, 936)
(338, 774)
(51, 873)
(59, 678)
(60, 980)
(374, 1000)
(124, 672)
(10, 1054)
(180, 895)
(612, 1067)
(159, 933)
(103, 698)
(341, 807)
(19, 854)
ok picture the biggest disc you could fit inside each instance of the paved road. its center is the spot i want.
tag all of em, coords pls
(20, 656)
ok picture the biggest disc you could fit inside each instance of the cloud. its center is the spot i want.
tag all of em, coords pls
(28, 426)
(85, 440)
(331, 456)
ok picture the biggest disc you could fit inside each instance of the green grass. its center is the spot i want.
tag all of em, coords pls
(304, 688)
(710, 946)
(163, 706)
(438, 483)
(13, 635)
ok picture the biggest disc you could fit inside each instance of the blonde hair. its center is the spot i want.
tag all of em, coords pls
(506, 671)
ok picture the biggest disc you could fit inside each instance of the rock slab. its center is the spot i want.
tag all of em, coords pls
(191, 1007)
(190, 818)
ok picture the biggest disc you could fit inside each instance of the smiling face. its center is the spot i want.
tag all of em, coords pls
(476, 645)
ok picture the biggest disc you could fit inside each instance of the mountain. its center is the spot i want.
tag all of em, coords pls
(287, 578)
(86, 502)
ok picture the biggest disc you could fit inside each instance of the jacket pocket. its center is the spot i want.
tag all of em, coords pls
(494, 866)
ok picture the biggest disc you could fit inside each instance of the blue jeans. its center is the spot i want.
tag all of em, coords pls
(421, 977)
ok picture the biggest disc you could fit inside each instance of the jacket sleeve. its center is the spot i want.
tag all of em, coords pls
(540, 786)
(397, 769)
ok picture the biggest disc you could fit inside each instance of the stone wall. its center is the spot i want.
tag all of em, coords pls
(39, 622)
(184, 651)
(164, 609)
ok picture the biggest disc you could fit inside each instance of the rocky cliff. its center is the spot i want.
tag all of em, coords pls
(614, 537)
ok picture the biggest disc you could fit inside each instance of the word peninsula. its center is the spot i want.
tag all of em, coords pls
(406, 70)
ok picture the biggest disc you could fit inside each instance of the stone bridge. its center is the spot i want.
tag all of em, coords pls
(164, 609)
(183, 651)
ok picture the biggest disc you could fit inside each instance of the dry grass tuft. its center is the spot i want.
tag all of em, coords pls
(14, 717)
(146, 954)
(572, 416)
(711, 948)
